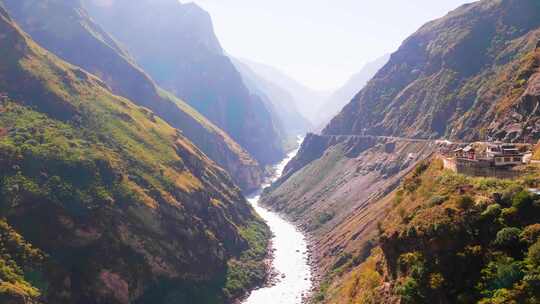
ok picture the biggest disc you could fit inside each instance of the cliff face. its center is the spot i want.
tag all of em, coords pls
(104, 202)
(175, 43)
(64, 28)
(468, 75)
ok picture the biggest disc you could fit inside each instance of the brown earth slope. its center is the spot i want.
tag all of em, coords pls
(469, 75)
(336, 180)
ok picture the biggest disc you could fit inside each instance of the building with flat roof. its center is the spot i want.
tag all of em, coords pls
(488, 159)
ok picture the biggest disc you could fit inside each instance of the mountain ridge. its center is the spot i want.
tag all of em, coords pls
(176, 44)
(452, 67)
(278, 99)
(346, 93)
(115, 186)
(85, 44)
(306, 99)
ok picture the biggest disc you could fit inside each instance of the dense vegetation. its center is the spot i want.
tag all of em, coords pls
(20, 267)
(103, 202)
(65, 29)
(450, 239)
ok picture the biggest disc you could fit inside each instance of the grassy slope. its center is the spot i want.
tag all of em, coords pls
(450, 239)
(175, 43)
(66, 30)
(116, 187)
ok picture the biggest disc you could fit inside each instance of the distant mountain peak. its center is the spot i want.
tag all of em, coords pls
(181, 52)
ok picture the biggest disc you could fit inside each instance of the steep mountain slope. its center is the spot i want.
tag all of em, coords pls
(307, 100)
(278, 100)
(175, 43)
(118, 206)
(64, 28)
(334, 177)
(469, 75)
(341, 97)
(449, 238)
(473, 74)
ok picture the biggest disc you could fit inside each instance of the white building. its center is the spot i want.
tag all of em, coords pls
(505, 155)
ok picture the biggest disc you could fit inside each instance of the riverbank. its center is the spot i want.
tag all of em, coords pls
(292, 262)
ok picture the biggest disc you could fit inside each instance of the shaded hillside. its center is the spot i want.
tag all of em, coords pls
(175, 43)
(64, 28)
(307, 101)
(449, 239)
(103, 202)
(278, 100)
(341, 97)
(471, 75)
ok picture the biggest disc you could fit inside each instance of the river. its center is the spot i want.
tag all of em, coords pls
(291, 259)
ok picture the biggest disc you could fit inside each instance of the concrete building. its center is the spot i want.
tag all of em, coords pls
(488, 159)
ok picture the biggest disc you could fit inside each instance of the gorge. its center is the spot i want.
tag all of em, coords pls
(290, 254)
(142, 161)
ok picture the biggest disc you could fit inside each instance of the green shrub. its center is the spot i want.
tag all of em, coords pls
(501, 273)
(421, 168)
(437, 200)
(324, 217)
(509, 215)
(436, 281)
(493, 211)
(403, 215)
(465, 202)
(523, 201)
(533, 255)
(508, 237)
(530, 234)
(410, 291)
(413, 264)
(508, 195)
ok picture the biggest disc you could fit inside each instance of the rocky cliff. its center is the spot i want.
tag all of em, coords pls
(175, 43)
(469, 75)
(103, 202)
(64, 28)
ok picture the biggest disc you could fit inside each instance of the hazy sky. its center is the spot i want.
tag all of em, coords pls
(319, 42)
